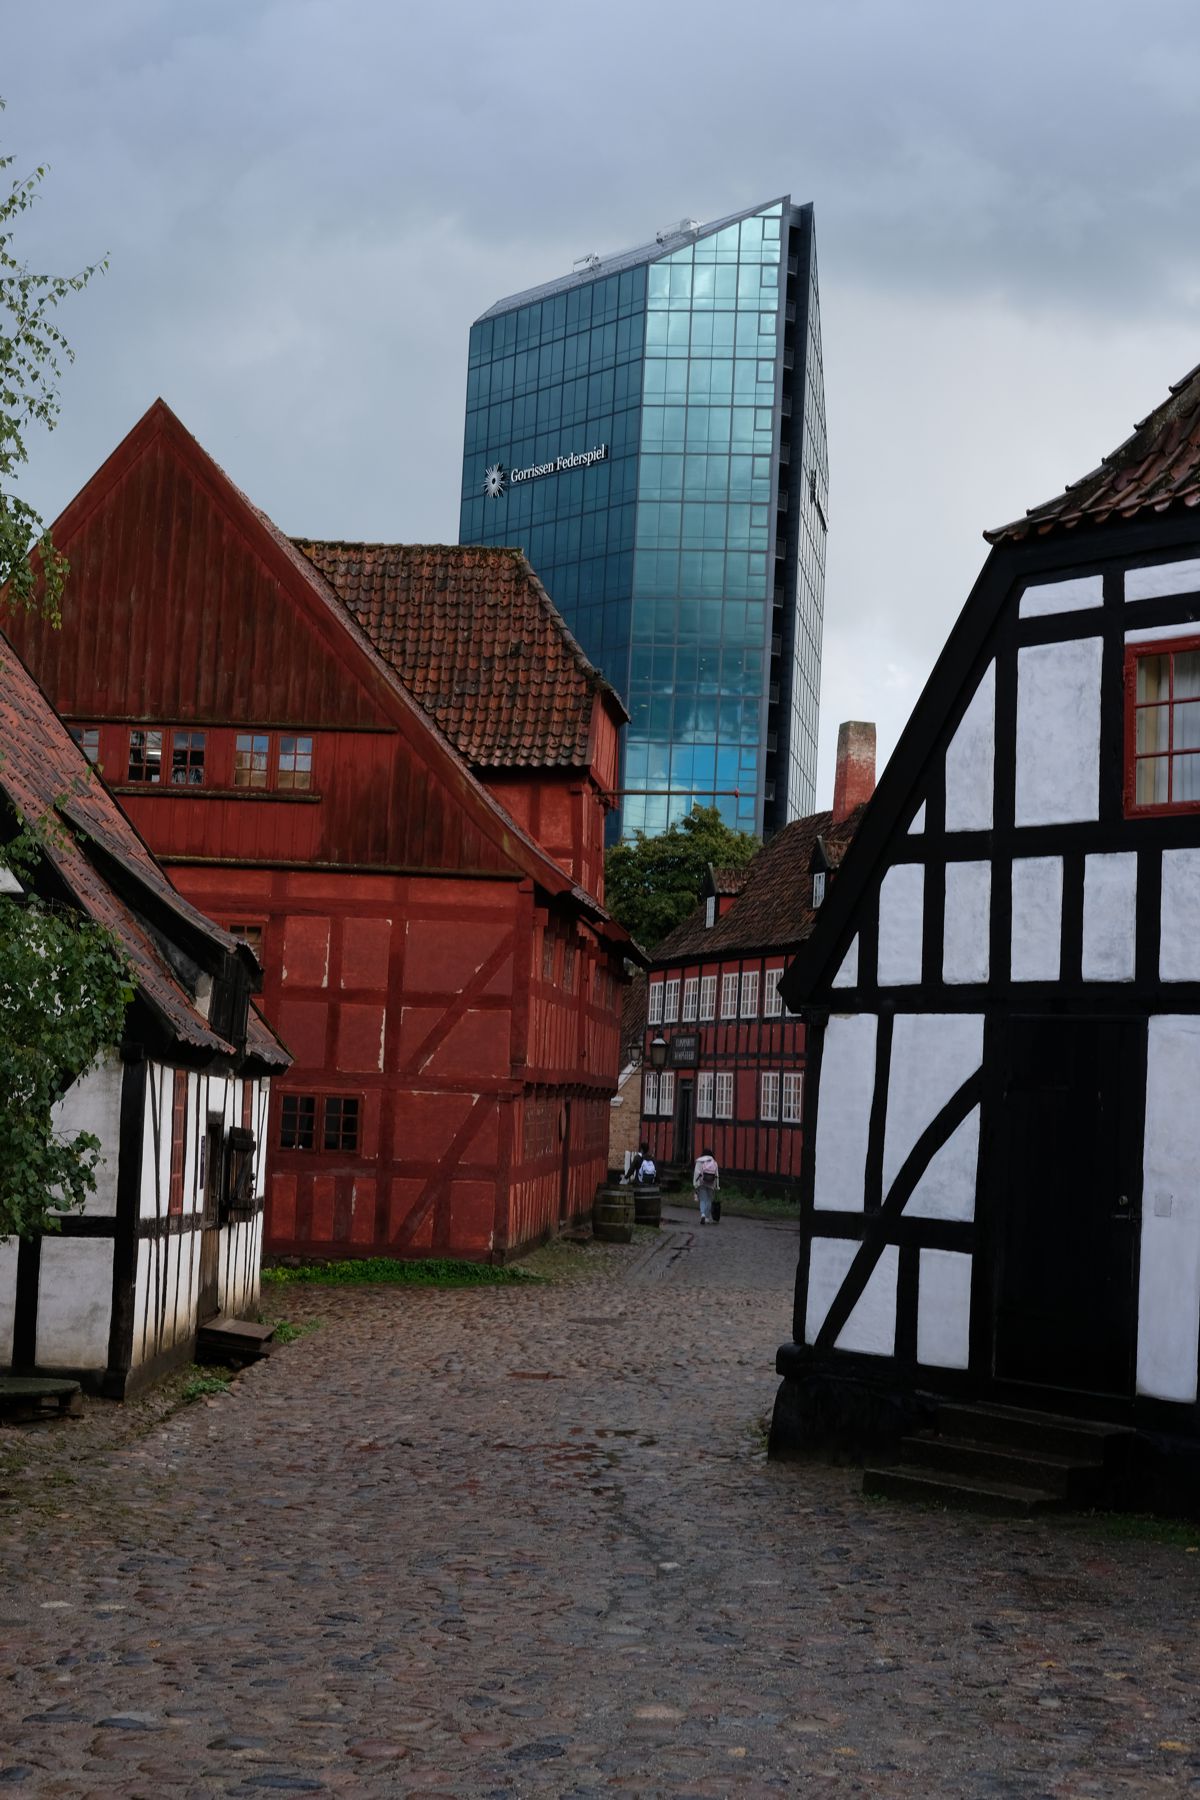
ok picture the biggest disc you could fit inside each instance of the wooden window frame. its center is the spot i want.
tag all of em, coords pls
(145, 732)
(705, 1089)
(666, 1093)
(319, 1117)
(730, 988)
(189, 733)
(768, 1096)
(649, 1093)
(654, 1004)
(81, 734)
(748, 1005)
(691, 1000)
(772, 998)
(723, 1084)
(793, 1082)
(1135, 653)
(708, 999)
(670, 1013)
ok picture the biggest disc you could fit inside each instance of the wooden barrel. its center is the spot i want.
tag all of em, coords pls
(612, 1215)
(647, 1204)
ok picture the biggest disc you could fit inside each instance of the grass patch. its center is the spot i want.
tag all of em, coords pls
(433, 1271)
(1144, 1528)
(197, 1387)
(286, 1332)
(745, 1203)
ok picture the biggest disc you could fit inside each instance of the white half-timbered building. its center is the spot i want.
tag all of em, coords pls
(1001, 1176)
(172, 1235)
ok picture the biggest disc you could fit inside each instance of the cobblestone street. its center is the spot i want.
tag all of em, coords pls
(525, 1541)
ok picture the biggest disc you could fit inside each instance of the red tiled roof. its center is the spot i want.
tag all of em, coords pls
(47, 778)
(728, 881)
(774, 910)
(1157, 468)
(476, 639)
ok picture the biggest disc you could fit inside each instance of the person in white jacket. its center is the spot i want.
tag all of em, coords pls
(706, 1179)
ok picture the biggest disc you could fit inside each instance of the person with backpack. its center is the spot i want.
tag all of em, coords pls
(706, 1179)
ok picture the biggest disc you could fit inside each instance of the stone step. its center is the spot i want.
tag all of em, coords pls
(1070, 1477)
(965, 1493)
(25, 1397)
(1018, 1428)
(243, 1340)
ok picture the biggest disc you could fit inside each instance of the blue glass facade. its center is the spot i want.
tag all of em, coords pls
(687, 556)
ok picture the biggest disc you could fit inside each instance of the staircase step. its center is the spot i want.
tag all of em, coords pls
(1024, 1467)
(966, 1493)
(246, 1339)
(1016, 1428)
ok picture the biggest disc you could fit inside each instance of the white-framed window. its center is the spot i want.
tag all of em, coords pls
(750, 994)
(670, 1012)
(691, 999)
(793, 1097)
(666, 1091)
(818, 888)
(654, 1007)
(708, 997)
(729, 996)
(768, 1101)
(704, 1094)
(723, 1094)
(710, 912)
(650, 1091)
(772, 999)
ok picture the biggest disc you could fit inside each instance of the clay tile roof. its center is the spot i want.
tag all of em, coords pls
(773, 911)
(476, 639)
(48, 780)
(727, 881)
(1158, 467)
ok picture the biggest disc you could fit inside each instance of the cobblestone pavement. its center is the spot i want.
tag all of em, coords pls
(525, 1542)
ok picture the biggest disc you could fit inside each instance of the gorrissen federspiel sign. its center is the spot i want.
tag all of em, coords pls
(496, 478)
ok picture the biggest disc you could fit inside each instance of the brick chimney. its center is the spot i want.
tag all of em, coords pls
(854, 782)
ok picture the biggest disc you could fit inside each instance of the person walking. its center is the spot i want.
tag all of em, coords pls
(706, 1179)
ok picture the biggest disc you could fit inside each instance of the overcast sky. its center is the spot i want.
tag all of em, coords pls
(306, 202)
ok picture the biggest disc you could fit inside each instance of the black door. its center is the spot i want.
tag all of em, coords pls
(683, 1122)
(1067, 1203)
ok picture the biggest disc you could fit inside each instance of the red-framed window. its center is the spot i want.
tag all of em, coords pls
(187, 758)
(88, 739)
(1162, 727)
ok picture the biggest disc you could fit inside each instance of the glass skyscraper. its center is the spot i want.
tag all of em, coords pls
(650, 430)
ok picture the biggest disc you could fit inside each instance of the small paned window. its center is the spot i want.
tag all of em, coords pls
(666, 1092)
(818, 888)
(708, 997)
(250, 753)
(750, 994)
(341, 1123)
(768, 1104)
(772, 999)
(704, 1094)
(710, 912)
(793, 1097)
(729, 996)
(650, 1091)
(691, 999)
(298, 1122)
(671, 1000)
(654, 1010)
(1162, 716)
(88, 739)
(248, 934)
(187, 758)
(145, 756)
(723, 1094)
(294, 766)
(547, 957)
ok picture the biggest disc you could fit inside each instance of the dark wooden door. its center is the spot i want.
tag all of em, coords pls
(1068, 1202)
(683, 1122)
(210, 1229)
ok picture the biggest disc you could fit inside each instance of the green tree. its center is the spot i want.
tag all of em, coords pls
(653, 883)
(64, 989)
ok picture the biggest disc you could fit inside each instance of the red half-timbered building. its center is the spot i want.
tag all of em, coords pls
(388, 769)
(733, 1081)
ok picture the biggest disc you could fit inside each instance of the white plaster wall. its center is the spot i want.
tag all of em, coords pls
(1074, 595)
(1167, 578)
(932, 1055)
(901, 910)
(74, 1303)
(1169, 1276)
(971, 761)
(844, 1111)
(871, 1327)
(240, 1264)
(847, 975)
(1109, 917)
(947, 1188)
(918, 821)
(156, 1162)
(1036, 918)
(8, 1298)
(828, 1264)
(968, 917)
(94, 1104)
(1058, 732)
(1179, 940)
(944, 1309)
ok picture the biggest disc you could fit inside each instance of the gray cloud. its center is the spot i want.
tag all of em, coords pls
(306, 202)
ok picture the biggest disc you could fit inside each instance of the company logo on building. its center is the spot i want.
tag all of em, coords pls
(495, 480)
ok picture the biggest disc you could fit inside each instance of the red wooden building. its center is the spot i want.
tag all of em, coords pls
(734, 1075)
(388, 769)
